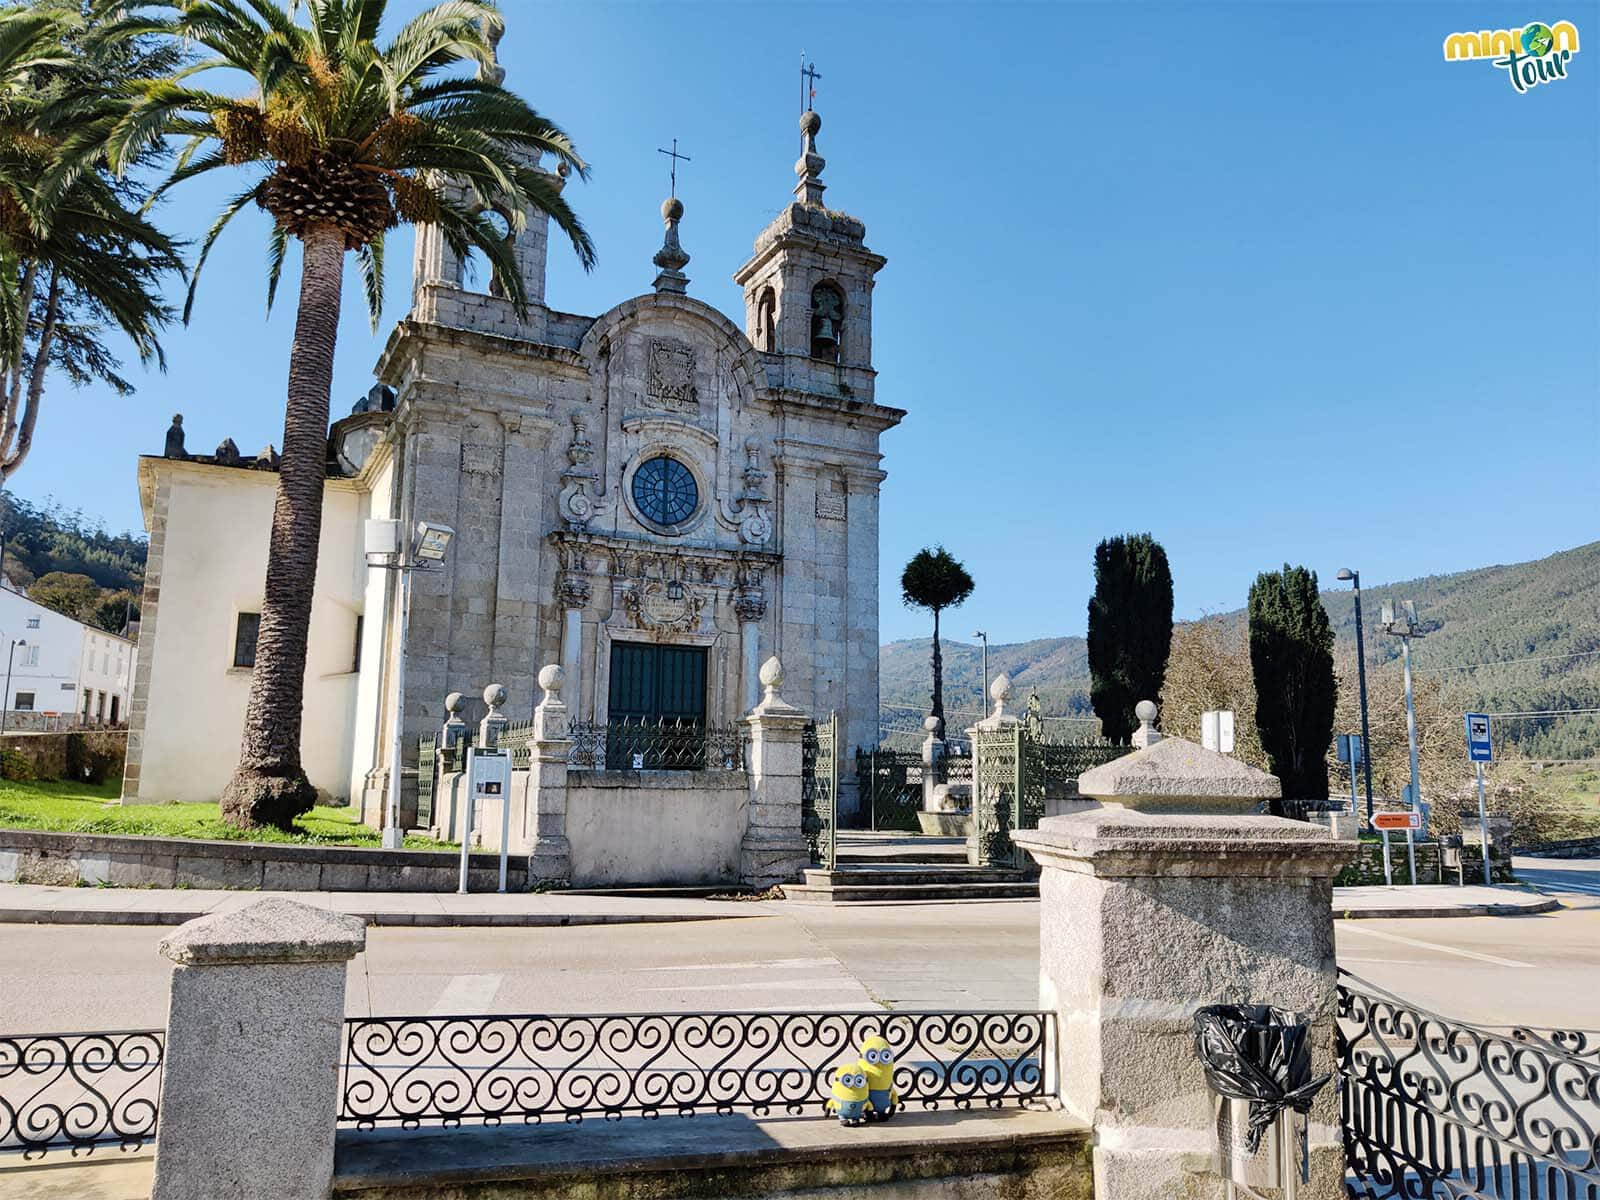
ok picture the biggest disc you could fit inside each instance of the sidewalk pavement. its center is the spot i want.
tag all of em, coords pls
(1439, 900)
(37, 904)
(107, 1174)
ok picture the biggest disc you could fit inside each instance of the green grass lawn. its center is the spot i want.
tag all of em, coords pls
(93, 808)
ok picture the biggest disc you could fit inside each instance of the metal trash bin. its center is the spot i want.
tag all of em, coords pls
(1450, 858)
(1257, 1059)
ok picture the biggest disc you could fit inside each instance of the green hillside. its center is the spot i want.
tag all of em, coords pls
(1545, 613)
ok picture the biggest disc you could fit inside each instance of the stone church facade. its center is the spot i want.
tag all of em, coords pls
(655, 498)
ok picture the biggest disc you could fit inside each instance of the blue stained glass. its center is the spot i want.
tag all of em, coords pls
(665, 491)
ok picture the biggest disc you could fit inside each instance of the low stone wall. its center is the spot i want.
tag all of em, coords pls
(95, 754)
(977, 1155)
(656, 827)
(68, 859)
(1367, 868)
(1569, 848)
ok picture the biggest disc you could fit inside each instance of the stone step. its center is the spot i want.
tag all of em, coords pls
(898, 874)
(909, 893)
(861, 846)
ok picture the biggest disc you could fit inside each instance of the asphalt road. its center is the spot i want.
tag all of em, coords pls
(1540, 970)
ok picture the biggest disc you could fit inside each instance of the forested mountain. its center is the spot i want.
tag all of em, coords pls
(40, 539)
(1504, 639)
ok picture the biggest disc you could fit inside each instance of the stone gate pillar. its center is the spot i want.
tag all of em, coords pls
(774, 847)
(550, 857)
(250, 1086)
(1170, 894)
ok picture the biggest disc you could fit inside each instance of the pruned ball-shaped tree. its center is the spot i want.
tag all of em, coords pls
(1130, 629)
(1291, 657)
(935, 580)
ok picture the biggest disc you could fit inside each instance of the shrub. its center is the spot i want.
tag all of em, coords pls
(16, 765)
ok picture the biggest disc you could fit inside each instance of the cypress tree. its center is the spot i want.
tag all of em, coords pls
(1130, 629)
(1291, 655)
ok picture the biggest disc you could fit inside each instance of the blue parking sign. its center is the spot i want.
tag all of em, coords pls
(1479, 746)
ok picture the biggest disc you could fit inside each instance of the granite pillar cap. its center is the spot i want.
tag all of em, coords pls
(1174, 775)
(273, 930)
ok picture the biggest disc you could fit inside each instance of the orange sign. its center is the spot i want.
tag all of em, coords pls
(1405, 820)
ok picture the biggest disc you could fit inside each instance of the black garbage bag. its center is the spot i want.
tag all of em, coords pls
(1257, 1053)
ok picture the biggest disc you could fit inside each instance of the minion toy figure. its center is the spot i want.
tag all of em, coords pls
(877, 1064)
(850, 1096)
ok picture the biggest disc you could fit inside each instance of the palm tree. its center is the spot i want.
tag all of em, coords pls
(934, 580)
(87, 258)
(344, 139)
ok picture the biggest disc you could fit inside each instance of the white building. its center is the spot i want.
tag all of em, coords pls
(61, 670)
(657, 498)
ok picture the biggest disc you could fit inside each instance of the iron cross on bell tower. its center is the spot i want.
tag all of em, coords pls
(808, 83)
(674, 156)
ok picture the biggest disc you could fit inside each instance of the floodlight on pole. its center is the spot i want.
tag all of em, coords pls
(1353, 578)
(983, 701)
(429, 544)
(1404, 627)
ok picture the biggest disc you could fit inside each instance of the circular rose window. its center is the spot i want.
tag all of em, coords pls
(665, 491)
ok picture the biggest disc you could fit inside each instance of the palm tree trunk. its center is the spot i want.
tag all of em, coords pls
(41, 366)
(938, 676)
(270, 785)
(13, 392)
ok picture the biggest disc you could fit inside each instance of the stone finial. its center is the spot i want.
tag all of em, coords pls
(771, 675)
(930, 726)
(174, 447)
(227, 453)
(273, 930)
(1000, 692)
(1146, 735)
(268, 459)
(454, 703)
(494, 720)
(493, 30)
(809, 166)
(494, 696)
(671, 258)
(551, 677)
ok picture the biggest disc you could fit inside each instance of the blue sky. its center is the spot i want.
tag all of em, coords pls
(1272, 281)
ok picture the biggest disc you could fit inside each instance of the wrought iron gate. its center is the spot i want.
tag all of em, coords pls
(890, 785)
(427, 777)
(819, 789)
(1437, 1110)
(1015, 769)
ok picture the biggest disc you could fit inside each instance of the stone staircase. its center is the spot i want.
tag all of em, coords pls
(897, 868)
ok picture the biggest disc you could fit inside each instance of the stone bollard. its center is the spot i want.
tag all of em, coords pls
(454, 728)
(1170, 894)
(932, 754)
(550, 857)
(249, 1089)
(774, 849)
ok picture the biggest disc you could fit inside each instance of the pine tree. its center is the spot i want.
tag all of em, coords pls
(1130, 629)
(1291, 656)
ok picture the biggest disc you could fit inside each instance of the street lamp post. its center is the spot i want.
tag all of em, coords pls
(426, 551)
(1404, 627)
(983, 700)
(5, 702)
(1354, 577)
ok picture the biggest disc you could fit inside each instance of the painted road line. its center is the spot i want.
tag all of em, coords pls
(769, 965)
(467, 995)
(1552, 885)
(1421, 945)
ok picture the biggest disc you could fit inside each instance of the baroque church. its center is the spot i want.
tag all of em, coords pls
(655, 498)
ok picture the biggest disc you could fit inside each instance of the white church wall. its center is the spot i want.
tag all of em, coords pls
(217, 521)
(371, 720)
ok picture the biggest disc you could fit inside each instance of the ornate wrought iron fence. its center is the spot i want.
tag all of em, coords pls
(1433, 1108)
(819, 790)
(890, 785)
(78, 1091)
(656, 744)
(448, 1070)
(427, 778)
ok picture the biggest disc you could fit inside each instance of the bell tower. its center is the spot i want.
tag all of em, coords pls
(808, 287)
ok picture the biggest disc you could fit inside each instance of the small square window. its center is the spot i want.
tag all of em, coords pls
(244, 639)
(33, 622)
(24, 702)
